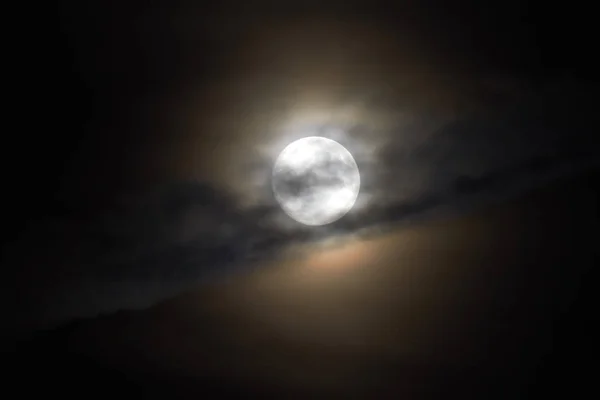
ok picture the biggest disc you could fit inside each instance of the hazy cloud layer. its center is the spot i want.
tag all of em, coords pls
(149, 246)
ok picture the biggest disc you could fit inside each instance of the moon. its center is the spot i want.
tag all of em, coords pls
(315, 180)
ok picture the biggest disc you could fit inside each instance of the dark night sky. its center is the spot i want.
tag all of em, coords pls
(143, 251)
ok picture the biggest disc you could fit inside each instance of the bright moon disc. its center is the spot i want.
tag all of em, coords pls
(316, 180)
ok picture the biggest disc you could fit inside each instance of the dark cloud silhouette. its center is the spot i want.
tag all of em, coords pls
(147, 246)
(155, 245)
(137, 251)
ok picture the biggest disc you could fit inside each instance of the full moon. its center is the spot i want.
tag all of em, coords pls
(316, 180)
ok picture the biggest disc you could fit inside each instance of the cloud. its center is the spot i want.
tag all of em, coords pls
(157, 245)
(148, 246)
(480, 158)
(141, 249)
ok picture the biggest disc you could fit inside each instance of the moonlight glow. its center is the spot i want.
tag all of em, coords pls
(316, 180)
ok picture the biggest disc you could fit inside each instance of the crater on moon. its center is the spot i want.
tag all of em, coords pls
(316, 180)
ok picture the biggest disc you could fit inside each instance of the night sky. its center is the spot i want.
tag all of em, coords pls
(144, 253)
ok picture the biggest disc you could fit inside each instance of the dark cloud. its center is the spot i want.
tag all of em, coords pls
(141, 249)
(465, 185)
(485, 157)
(147, 246)
(496, 143)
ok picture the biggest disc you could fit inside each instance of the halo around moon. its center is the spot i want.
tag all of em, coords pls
(315, 180)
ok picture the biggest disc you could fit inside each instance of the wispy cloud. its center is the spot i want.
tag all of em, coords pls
(149, 246)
